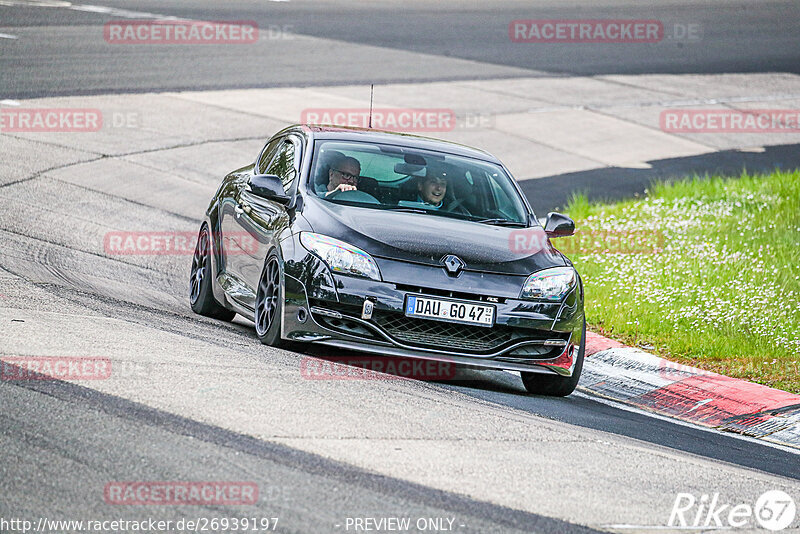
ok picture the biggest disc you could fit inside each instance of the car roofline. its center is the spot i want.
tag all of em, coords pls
(346, 133)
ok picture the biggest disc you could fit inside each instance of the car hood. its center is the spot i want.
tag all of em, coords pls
(427, 239)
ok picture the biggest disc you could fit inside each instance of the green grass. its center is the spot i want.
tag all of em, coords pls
(704, 271)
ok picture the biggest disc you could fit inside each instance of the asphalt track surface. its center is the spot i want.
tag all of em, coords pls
(62, 51)
(304, 491)
(317, 465)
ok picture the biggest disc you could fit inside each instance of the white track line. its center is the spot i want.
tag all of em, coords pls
(628, 408)
(586, 394)
(35, 3)
(122, 13)
(7, 36)
(89, 8)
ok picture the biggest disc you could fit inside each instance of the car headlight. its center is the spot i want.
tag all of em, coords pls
(550, 284)
(341, 257)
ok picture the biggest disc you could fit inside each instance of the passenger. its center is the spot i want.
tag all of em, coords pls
(342, 176)
(432, 189)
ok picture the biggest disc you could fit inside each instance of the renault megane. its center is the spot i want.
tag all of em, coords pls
(395, 245)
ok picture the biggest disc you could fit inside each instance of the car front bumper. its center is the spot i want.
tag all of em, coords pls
(325, 308)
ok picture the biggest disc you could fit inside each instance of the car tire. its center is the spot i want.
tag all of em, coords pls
(201, 295)
(268, 313)
(556, 385)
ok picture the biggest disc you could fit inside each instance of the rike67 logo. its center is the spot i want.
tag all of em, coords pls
(775, 510)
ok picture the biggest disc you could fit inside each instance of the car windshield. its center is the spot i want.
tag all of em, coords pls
(390, 177)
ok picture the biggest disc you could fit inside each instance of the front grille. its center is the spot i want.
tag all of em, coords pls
(453, 336)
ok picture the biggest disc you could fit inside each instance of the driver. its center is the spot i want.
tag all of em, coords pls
(432, 189)
(342, 176)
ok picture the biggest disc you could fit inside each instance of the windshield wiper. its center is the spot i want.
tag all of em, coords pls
(438, 213)
(406, 209)
(496, 222)
(500, 222)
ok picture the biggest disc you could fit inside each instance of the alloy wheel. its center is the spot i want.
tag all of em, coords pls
(199, 265)
(267, 300)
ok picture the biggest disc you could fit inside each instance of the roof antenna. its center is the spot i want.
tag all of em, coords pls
(371, 90)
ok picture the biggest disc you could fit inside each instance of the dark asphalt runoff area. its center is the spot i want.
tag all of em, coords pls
(62, 51)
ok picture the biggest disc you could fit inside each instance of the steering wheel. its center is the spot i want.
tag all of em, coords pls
(455, 205)
(354, 196)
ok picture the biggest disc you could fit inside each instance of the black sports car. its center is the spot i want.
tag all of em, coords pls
(395, 245)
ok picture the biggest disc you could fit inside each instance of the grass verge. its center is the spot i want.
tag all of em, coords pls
(704, 271)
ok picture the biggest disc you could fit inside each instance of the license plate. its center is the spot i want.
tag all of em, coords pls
(453, 311)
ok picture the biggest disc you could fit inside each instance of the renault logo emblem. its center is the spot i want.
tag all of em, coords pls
(453, 264)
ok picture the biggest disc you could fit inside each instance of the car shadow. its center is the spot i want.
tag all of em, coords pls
(363, 365)
(505, 389)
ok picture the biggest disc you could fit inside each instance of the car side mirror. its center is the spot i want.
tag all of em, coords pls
(270, 187)
(558, 225)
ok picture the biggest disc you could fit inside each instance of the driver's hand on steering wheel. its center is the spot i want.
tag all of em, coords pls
(342, 187)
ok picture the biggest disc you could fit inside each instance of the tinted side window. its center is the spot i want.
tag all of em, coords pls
(266, 155)
(283, 164)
